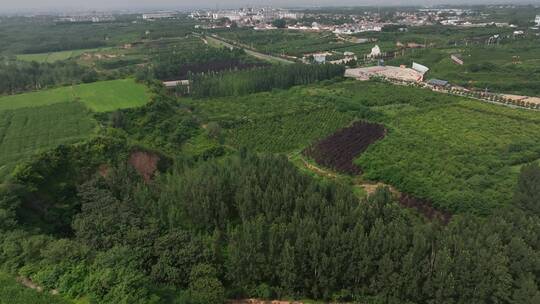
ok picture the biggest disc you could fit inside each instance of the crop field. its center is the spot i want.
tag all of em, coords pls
(460, 156)
(339, 150)
(100, 96)
(25, 132)
(285, 133)
(57, 56)
(14, 293)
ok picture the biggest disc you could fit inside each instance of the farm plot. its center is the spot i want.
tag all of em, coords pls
(100, 96)
(25, 132)
(285, 133)
(340, 149)
(459, 156)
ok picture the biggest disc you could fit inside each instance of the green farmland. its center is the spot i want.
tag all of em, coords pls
(457, 152)
(57, 56)
(34, 122)
(100, 96)
(25, 132)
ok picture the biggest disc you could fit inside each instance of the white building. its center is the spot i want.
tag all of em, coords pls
(537, 20)
(375, 52)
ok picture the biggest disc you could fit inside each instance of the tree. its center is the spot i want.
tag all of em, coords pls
(279, 23)
(204, 287)
(527, 194)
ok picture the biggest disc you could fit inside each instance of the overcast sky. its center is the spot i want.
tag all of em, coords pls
(8, 5)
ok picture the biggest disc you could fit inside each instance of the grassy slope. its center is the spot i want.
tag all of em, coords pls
(100, 96)
(24, 132)
(12, 292)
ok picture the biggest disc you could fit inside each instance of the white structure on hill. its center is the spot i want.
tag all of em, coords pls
(537, 20)
(375, 52)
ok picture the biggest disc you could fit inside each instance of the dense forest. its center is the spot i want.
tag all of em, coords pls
(251, 225)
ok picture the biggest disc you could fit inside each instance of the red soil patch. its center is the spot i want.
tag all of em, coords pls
(425, 208)
(145, 163)
(340, 149)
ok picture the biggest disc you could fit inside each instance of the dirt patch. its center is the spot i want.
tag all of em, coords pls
(26, 282)
(425, 208)
(339, 150)
(104, 170)
(371, 188)
(145, 163)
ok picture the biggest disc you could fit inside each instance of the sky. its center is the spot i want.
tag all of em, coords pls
(8, 5)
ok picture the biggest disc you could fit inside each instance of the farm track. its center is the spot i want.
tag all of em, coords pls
(220, 41)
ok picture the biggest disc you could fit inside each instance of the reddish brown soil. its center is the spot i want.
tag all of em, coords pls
(425, 208)
(340, 149)
(145, 163)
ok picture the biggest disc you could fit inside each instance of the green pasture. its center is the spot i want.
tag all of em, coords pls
(100, 96)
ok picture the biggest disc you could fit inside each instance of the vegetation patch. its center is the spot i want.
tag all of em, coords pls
(13, 292)
(25, 132)
(340, 149)
(100, 96)
(460, 156)
(285, 133)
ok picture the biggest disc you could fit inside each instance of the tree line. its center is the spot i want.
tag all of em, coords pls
(19, 76)
(261, 79)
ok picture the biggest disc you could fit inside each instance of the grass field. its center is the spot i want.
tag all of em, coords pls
(25, 132)
(11, 292)
(100, 96)
(57, 56)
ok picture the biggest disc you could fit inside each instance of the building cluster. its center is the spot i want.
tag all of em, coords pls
(159, 15)
(86, 19)
(246, 16)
